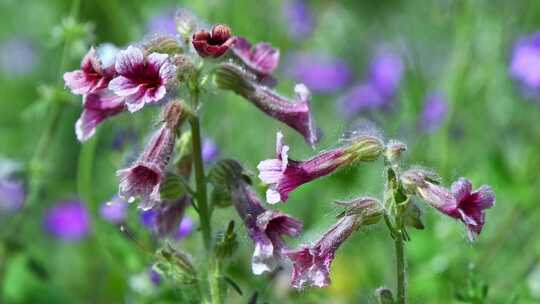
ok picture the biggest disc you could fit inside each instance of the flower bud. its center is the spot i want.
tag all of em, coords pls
(366, 148)
(393, 150)
(213, 44)
(163, 45)
(368, 208)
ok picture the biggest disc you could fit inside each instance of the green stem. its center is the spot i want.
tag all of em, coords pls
(401, 268)
(200, 181)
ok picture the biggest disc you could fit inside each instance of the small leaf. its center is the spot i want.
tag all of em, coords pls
(233, 284)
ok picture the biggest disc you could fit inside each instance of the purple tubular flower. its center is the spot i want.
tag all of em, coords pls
(471, 205)
(311, 264)
(298, 17)
(296, 114)
(97, 107)
(320, 73)
(525, 61)
(386, 71)
(114, 211)
(265, 227)
(145, 175)
(12, 195)
(434, 113)
(262, 59)
(141, 80)
(283, 175)
(68, 221)
(92, 76)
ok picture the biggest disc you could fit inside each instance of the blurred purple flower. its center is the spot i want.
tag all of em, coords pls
(261, 58)
(298, 18)
(12, 195)
(434, 112)
(114, 211)
(185, 228)
(386, 71)
(17, 57)
(210, 150)
(162, 23)
(148, 218)
(525, 61)
(68, 221)
(154, 276)
(319, 73)
(362, 97)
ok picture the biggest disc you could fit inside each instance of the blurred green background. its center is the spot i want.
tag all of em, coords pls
(491, 133)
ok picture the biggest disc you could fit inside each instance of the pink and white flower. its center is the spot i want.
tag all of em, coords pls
(263, 58)
(142, 79)
(92, 76)
(96, 108)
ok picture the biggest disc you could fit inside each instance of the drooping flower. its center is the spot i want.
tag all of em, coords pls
(283, 175)
(294, 113)
(262, 58)
(320, 73)
(18, 57)
(12, 195)
(96, 108)
(461, 202)
(169, 216)
(114, 211)
(68, 221)
(298, 18)
(311, 264)
(525, 62)
(266, 228)
(91, 78)
(471, 205)
(215, 43)
(142, 79)
(434, 112)
(143, 178)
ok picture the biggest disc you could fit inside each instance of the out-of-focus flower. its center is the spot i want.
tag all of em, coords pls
(215, 43)
(262, 58)
(143, 178)
(294, 113)
(169, 216)
(461, 202)
(148, 218)
(142, 80)
(92, 77)
(266, 228)
(107, 54)
(311, 264)
(386, 71)
(114, 211)
(525, 61)
(361, 97)
(283, 175)
(96, 108)
(185, 228)
(210, 150)
(68, 221)
(298, 18)
(17, 57)
(12, 195)
(162, 23)
(154, 276)
(320, 73)
(434, 112)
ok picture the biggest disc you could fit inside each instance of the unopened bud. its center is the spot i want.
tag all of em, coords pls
(393, 150)
(221, 32)
(184, 66)
(164, 45)
(368, 208)
(366, 148)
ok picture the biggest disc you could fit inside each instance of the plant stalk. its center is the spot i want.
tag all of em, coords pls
(401, 268)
